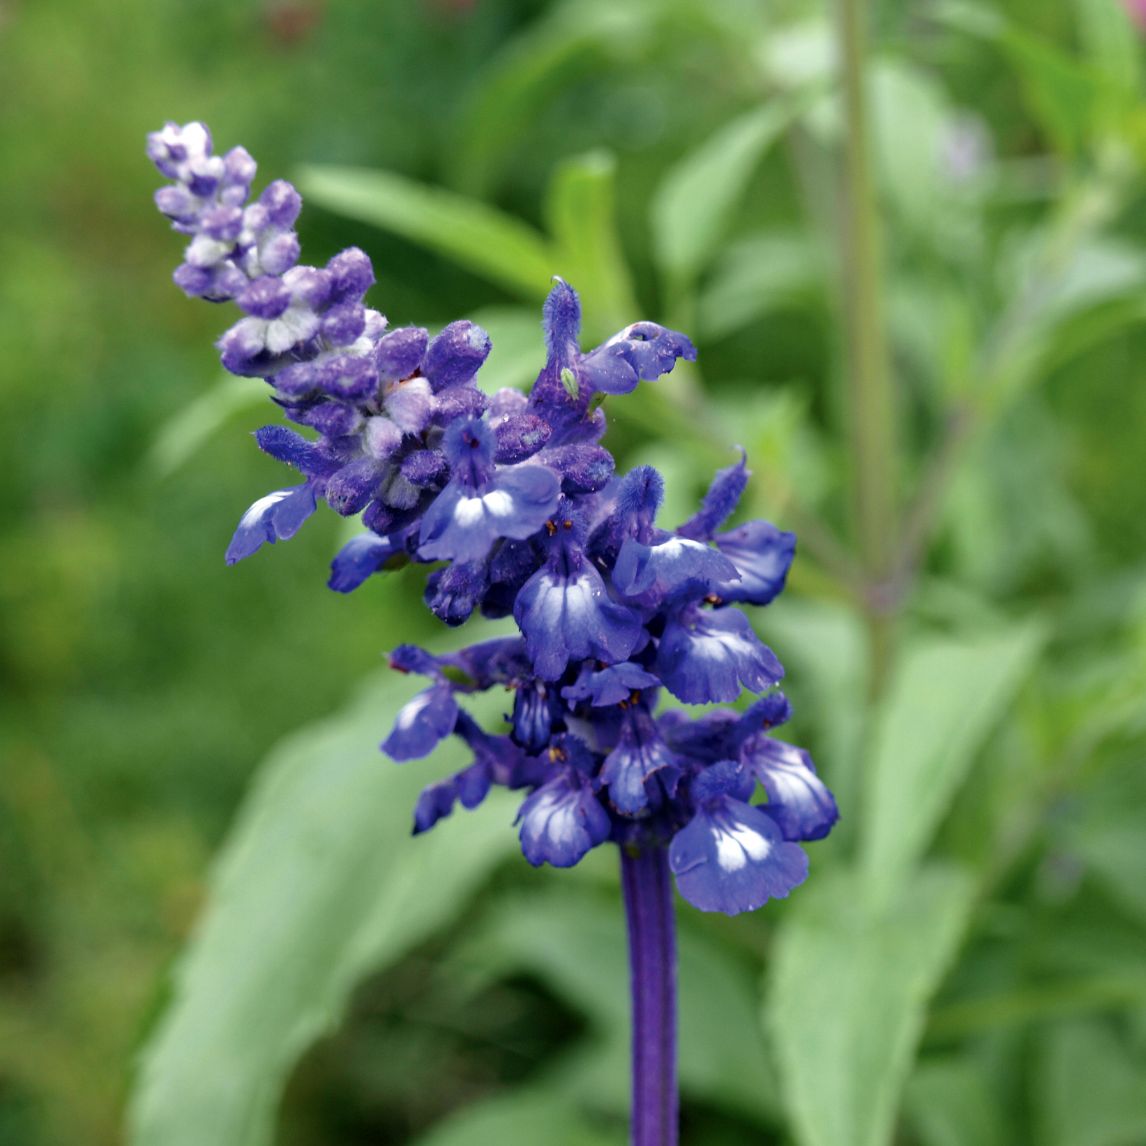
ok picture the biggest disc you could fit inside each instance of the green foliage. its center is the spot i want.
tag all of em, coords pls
(1090, 1088)
(694, 204)
(475, 236)
(576, 943)
(965, 962)
(849, 993)
(947, 696)
(304, 904)
(519, 1119)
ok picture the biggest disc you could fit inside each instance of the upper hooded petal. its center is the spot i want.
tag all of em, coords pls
(762, 555)
(798, 800)
(570, 617)
(562, 821)
(461, 524)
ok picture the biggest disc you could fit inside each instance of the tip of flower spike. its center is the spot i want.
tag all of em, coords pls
(561, 319)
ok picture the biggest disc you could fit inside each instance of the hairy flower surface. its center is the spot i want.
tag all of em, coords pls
(518, 497)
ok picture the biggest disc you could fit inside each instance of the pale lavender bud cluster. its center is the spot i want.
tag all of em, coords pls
(232, 242)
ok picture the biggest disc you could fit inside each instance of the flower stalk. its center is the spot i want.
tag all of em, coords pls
(652, 982)
(870, 404)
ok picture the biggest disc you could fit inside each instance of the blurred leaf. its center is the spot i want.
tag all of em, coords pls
(1110, 42)
(1099, 281)
(576, 944)
(1107, 831)
(184, 434)
(581, 215)
(570, 39)
(1062, 93)
(1089, 1089)
(760, 274)
(319, 885)
(694, 204)
(916, 133)
(518, 352)
(475, 236)
(524, 1118)
(947, 694)
(848, 998)
(948, 1103)
(909, 114)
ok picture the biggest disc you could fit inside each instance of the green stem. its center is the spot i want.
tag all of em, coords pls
(870, 404)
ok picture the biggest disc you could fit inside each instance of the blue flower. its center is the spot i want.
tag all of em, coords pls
(360, 557)
(276, 517)
(422, 723)
(566, 614)
(639, 755)
(798, 800)
(732, 857)
(660, 571)
(761, 555)
(707, 655)
(516, 495)
(480, 503)
(563, 819)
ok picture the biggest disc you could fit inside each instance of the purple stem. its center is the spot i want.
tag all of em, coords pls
(652, 982)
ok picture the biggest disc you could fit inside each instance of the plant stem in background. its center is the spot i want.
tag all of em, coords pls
(652, 980)
(870, 404)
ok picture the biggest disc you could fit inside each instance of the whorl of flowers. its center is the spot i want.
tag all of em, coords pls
(518, 499)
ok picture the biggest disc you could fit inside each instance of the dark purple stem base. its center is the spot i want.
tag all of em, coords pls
(652, 980)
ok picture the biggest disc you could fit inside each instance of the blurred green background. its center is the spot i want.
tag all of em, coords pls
(967, 964)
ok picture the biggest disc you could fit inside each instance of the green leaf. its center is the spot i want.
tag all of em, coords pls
(1106, 832)
(186, 432)
(518, 352)
(1063, 94)
(1089, 1089)
(913, 122)
(523, 1118)
(570, 40)
(947, 694)
(760, 274)
(694, 204)
(581, 215)
(576, 944)
(1110, 42)
(319, 885)
(479, 238)
(948, 1103)
(848, 998)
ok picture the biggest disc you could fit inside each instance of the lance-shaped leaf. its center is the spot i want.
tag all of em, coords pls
(480, 238)
(319, 885)
(849, 992)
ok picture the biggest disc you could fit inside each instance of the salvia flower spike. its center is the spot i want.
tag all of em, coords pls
(519, 499)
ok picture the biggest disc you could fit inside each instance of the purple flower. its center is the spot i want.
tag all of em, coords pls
(566, 615)
(519, 499)
(798, 800)
(482, 503)
(707, 655)
(276, 517)
(658, 572)
(563, 819)
(732, 857)
(422, 723)
(639, 755)
(761, 555)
